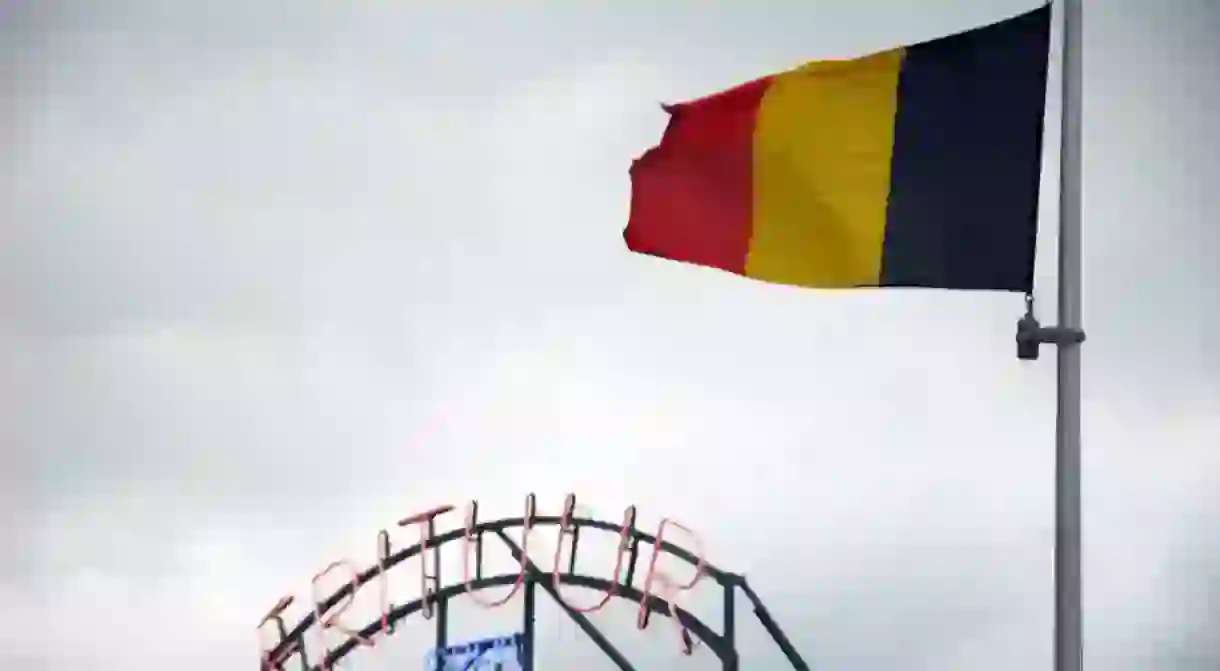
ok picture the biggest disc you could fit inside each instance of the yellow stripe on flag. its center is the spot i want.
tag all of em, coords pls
(821, 173)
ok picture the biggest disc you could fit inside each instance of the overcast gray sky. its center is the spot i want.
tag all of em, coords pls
(274, 274)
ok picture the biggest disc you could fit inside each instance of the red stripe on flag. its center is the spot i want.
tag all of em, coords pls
(692, 195)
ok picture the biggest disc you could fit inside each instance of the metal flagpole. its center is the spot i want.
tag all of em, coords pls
(1067, 336)
(1069, 649)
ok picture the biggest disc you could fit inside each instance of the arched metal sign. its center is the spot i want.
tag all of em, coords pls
(658, 593)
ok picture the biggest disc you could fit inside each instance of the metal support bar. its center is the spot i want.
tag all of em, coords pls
(283, 631)
(279, 624)
(581, 621)
(772, 628)
(730, 624)
(442, 624)
(442, 603)
(277, 614)
(384, 551)
(575, 544)
(527, 625)
(633, 556)
(478, 556)
(478, 541)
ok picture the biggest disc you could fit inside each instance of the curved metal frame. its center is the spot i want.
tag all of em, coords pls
(435, 601)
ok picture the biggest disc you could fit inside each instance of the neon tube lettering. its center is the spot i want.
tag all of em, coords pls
(330, 622)
(657, 583)
(425, 520)
(531, 509)
(276, 613)
(383, 553)
(670, 588)
(565, 529)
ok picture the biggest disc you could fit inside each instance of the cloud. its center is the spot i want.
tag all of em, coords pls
(276, 278)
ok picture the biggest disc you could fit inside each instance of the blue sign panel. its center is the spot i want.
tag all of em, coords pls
(492, 654)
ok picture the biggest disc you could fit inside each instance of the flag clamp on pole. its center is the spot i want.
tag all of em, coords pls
(1031, 334)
